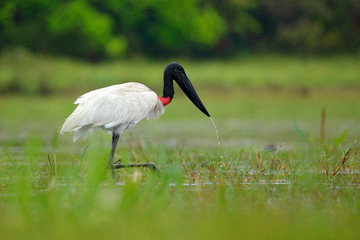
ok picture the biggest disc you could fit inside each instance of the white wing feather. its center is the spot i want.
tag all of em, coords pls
(115, 108)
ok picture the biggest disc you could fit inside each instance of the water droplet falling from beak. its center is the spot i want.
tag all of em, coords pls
(218, 138)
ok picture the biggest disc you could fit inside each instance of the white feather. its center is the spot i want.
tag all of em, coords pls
(115, 109)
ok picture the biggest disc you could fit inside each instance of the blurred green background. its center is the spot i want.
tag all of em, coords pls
(97, 30)
(281, 79)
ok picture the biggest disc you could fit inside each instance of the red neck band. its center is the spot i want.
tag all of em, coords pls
(165, 101)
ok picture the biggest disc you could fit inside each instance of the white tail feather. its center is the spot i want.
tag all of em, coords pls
(81, 131)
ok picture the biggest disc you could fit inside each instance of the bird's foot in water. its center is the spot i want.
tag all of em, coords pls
(117, 165)
(152, 166)
(110, 165)
(117, 162)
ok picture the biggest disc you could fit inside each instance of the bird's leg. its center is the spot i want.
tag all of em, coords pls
(110, 162)
(111, 165)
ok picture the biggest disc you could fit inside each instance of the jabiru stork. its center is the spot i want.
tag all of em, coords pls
(120, 107)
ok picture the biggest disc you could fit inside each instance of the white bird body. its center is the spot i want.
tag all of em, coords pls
(115, 109)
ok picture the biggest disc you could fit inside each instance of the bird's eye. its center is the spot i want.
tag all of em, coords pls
(181, 69)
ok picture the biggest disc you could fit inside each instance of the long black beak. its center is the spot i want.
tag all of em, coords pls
(185, 84)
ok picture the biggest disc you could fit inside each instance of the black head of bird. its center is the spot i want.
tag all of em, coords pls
(174, 71)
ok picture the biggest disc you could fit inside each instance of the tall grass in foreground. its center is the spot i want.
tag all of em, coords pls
(261, 194)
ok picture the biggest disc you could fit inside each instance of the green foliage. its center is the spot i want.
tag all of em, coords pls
(313, 26)
(94, 29)
(90, 30)
(167, 25)
(97, 29)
